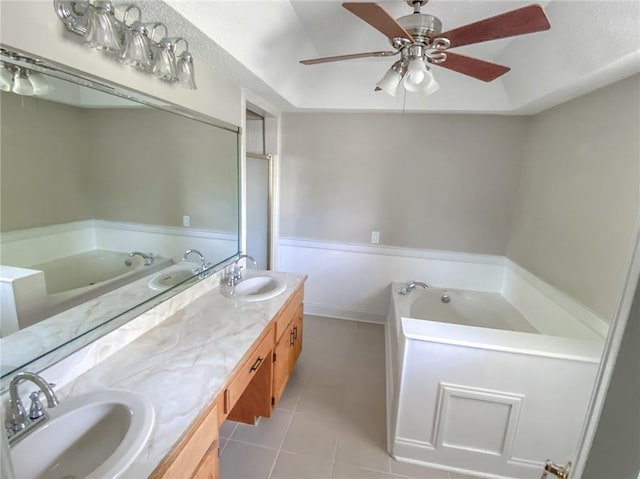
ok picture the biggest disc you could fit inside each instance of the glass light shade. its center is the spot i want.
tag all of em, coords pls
(164, 66)
(102, 32)
(21, 84)
(40, 84)
(418, 77)
(6, 78)
(185, 71)
(137, 48)
(433, 87)
(390, 82)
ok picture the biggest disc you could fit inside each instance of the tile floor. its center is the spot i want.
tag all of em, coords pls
(330, 423)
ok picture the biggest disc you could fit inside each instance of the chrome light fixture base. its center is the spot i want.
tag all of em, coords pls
(133, 44)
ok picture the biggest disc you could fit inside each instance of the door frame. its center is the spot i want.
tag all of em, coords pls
(249, 100)
(270, 209)
(609, 355)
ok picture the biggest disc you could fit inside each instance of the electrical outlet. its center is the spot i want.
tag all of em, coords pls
(186, 221)
(375, 237)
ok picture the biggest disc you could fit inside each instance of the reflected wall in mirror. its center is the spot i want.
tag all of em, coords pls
(88, 178)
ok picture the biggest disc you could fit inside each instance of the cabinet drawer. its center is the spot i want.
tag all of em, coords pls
(260, 355)
(200, 440)
(288, 313)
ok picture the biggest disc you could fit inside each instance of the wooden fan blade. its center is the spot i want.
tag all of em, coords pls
(339, 58)
(479, 69)
(523, 20)
(378, 18)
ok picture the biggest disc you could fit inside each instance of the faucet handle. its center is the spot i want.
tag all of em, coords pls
(36, 410)
(16, 417)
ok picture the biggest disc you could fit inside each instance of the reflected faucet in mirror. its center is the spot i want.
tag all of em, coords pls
(204, 266)
(148, 258)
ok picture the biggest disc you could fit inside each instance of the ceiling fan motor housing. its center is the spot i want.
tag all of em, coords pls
(421, 25)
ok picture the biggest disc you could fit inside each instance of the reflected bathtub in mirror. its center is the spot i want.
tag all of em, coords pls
(111, 171)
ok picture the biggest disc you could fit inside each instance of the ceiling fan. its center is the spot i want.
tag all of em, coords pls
(420, 42)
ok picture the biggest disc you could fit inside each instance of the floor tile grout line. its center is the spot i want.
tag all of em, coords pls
(284, 436)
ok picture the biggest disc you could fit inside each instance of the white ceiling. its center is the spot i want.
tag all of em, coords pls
(258, 44)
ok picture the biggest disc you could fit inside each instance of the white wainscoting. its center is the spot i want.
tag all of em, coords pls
(351, 281)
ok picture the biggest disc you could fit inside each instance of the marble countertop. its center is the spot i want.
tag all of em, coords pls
(183, 363)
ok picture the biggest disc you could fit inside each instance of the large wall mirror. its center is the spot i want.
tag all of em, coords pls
(103, 190)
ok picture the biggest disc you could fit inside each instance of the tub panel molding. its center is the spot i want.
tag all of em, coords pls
(477, 420)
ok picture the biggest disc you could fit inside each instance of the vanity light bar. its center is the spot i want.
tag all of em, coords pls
(133, 43)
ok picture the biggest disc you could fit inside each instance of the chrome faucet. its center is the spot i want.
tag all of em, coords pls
(18, 423)
(410, 286)
(235, 275)
(148, 258)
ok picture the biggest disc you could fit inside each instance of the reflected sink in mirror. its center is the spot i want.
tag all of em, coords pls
(255, 288)
(94, 435)
(172, 276)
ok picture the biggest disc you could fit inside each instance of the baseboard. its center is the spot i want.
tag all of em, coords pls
(329, 311)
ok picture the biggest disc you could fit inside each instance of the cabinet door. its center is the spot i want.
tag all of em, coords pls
(281, 363)
(209, 467)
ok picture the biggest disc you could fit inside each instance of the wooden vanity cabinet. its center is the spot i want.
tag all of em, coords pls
(196, 455)
(248, 394)
(288, 344)
(254, 390)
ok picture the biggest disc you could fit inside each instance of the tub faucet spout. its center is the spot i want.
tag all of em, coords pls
(148, 258)
(410, 286)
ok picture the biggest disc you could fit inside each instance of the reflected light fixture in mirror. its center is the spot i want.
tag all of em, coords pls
(6, 78)
(22, 81)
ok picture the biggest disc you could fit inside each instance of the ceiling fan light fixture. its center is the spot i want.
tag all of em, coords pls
(418, 76)
(431, 88)
(391, 80)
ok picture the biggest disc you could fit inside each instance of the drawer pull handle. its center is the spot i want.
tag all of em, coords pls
(291, 338)
(257, 364)
(295, 333)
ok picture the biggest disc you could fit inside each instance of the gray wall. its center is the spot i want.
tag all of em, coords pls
(61, 164)
(43, 180)
(424, 181)
(579, 195)
(615, 452)
(558, 193)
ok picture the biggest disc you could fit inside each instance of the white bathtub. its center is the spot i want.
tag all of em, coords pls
(473, 387)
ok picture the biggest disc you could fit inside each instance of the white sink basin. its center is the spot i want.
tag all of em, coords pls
(93, 436)
(256, 288)
(169, 277)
